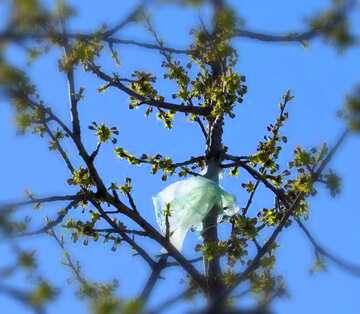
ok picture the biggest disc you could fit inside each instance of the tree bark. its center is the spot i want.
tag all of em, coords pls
(212, 266)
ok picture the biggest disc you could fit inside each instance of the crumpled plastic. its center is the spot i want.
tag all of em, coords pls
(190, 201)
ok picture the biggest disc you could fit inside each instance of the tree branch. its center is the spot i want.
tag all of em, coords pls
(290, 37)
(129, 19)
(74, 266)
(59, 147)
(344, 265)
(166, 304)
(144, 100)
(251, 198)
(49, 199)
(291, 206)
(128, 231)
(194, 260)
(154, 277)
(302, 36)
(123, 234)
(73, 98)
(52, 223)
(10, 35)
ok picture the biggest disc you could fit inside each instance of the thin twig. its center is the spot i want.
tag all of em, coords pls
(251, 198)
(60, 148)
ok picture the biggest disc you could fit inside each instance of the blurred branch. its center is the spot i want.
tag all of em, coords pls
(124, 22)
(170, 302)
(74, 266)
(194, 260)
(52, 117)
(148, 46)
(303, 36)
(52, 223)
(21, 296)
(10, 35)
(290, 37)
(128, 231)
(34, 200)
(344, 265)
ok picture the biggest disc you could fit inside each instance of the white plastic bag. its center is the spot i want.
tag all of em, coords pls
(190, 201)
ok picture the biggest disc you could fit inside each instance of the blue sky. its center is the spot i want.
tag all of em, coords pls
(319, 78)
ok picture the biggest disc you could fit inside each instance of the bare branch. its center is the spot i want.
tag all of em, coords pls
(52, 223)
(202, 127)
(72, 93)
(128, 231)
(131, 201)
(290, 37)
(34, 200)
(154, 277)
(139, 250)
(245, 210)
(148, 46)
(95, 152)
(344, 265)
(194, 260)
(52, 116)
(59, 147)
(16, 37)
(301, 36)
(170, 302)
(129, 19)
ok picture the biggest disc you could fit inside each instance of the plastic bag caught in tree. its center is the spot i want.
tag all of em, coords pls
(190, 201)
